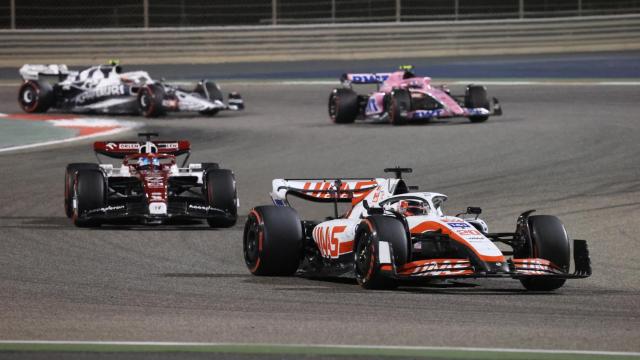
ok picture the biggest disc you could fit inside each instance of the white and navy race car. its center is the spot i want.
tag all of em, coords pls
(391, 233)
(105, 89)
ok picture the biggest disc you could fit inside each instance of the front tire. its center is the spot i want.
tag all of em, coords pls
(549, 241)
(221, 194)
(272, 241)
(476, 97)
(372, 231)
(69, 181)
(90, 192)
(343, 106)
(150, 100)
(399, 106)
(35, 96)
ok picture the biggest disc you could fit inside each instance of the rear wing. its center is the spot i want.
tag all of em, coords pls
(322, 190)
(120, 149)
(36, 71)
(364, 78)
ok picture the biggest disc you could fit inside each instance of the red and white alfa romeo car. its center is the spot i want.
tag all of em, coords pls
(390, 233)
(149, 186)
(401, 97)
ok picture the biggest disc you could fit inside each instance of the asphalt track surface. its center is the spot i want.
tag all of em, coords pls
(570, 151)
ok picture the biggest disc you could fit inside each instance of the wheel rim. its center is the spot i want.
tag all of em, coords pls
(364, 257)
(251, 251)
(333, 107)
(144, 101)
(28, 96)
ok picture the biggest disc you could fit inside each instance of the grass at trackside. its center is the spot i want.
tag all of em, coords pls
(345, 351)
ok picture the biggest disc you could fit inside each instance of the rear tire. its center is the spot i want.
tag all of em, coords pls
(372, 231)
(549, 241)
(211, 91)
(35, 96)
(476, 97)
(209, 166)
(150, 100)
(272, 241)
(90, 194)
(399, 105)
(69, 179)
(221, 193)
(343, 106)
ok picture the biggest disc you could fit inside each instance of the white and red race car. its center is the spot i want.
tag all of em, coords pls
(390, 234)
(149, 186)
(401, 97)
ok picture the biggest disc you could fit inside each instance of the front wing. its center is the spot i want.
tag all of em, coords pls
(178, 208)
(463, 268)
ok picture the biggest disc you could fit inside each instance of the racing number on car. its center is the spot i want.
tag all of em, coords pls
(327, 241)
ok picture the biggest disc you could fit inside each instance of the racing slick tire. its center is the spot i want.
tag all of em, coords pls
(90, 194)
(549, 241)
(399, 104)
(272, 241)
(211, 91)
(69, 179)
(371, 232)
(209, 166)
(150, 99)
(221, 193)
(36, 96)
(475, 96)
(343, 106)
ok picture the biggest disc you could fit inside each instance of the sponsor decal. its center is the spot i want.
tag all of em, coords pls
(169, 145)
(458, 225)
(468, 232)
(368, 78)
(111, 146)
(327, 241)
(435, 268)
(321, 189)
(156, 196)
(128, 146)
(157, 208)
(104, 91)
(371, 106)
(155, 181)
(423, 114)
(200, 207)
(105, 209)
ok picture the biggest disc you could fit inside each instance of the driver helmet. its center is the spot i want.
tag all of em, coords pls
(412, 207)
(146, 161)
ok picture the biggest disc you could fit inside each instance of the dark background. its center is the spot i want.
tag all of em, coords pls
(128, 13)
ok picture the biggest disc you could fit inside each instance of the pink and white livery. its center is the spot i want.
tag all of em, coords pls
(392, 232)
(402, 96)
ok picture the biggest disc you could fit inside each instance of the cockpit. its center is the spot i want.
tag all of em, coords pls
(407, 205)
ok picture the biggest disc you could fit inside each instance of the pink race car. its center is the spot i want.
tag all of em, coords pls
(402, 96)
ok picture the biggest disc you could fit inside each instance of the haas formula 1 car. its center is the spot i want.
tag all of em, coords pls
(105, 89)
(391, 234)
(149, 186)
(401, 97)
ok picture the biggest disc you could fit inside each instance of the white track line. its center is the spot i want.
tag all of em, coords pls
(55, 142)
(327, 346)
